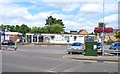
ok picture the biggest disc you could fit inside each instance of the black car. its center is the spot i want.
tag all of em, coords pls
(7, 42)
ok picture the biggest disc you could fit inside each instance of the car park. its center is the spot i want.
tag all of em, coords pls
(76, 47)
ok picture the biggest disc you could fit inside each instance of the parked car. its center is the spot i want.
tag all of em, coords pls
(99, 45)
(7, 42)
(115, 46)
(76, 47)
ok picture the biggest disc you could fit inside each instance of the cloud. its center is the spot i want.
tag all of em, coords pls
(91, 8)
(111, 18)
(59, 0)
(111, 7)
(71, 7)
(14, 14)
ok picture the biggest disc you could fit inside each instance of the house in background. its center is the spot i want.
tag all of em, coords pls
(13, 36)
(73, 32)
(111, 36)
(83, 32)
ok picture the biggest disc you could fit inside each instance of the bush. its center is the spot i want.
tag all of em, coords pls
(109, 42)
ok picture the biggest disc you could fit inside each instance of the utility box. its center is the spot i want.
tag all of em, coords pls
(91, 48)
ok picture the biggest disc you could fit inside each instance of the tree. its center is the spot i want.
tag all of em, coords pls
(51, 21)
(56, 28)
(37, 30)
(117, 35)
(12, 28)
(17, 28)
(24, 29)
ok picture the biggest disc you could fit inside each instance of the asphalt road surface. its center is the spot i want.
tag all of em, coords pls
(48, 59)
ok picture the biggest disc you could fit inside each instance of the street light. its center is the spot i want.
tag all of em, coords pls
(0, 37)
(103, 31)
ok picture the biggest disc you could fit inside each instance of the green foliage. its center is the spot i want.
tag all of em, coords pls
(24, 29)
(117, 35)
(35, 29)
(51, 21)
(56, 28)
(108, 42)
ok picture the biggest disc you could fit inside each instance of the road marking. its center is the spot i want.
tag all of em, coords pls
(57, 45)
(52, 70)
(85, 60)
(110, 62)
(29, 45)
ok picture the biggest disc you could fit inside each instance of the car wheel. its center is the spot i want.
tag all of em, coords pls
(68, 52)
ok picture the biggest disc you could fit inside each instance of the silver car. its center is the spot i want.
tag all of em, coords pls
(76, 47)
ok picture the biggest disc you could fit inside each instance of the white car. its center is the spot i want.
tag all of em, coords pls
(76, 47)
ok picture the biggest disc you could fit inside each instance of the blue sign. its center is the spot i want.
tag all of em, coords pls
(89, 38)
(68, 40)
(2, 33)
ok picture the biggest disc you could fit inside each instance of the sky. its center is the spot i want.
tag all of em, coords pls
(75, 14)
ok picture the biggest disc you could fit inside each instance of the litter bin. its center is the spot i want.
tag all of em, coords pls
(91, 48)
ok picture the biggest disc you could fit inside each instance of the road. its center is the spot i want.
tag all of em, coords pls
(49, 59)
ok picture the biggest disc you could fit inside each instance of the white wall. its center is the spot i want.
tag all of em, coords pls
(7, 37)
(61, 39)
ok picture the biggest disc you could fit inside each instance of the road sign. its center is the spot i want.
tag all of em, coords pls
(2, 33)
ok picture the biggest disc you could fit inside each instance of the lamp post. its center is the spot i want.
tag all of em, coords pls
(0, 39)
(103, 32)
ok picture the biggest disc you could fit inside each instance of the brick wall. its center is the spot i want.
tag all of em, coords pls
(13, 37)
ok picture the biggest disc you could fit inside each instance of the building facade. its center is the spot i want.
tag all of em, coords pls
(13, 36)
(55, 38)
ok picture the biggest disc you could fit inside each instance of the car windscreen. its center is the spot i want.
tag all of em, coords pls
(76, 44)
(117, 44)
(5, 41)
(99, 44)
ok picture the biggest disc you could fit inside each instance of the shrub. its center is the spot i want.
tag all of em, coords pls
(109, 42)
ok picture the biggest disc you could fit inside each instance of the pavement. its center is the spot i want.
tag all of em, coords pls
(94, 58)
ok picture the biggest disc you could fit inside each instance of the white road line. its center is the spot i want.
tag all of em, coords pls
(85, 60)
(52, 70)
(110, 62)
(57, 45)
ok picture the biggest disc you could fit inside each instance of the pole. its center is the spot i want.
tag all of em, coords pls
(103, 32)
(0, 40)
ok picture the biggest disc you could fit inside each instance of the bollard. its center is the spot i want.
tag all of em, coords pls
(15, 45)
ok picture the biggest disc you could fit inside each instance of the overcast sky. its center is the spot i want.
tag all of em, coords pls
(76, 14)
